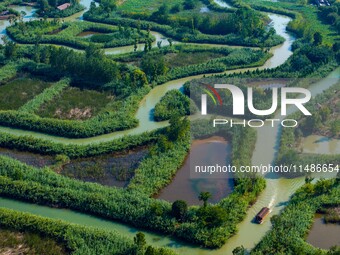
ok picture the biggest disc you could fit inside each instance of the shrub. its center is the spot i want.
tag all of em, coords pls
(179, 209)
(78, 239)
(172, 103)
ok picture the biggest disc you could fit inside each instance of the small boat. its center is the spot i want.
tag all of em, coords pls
(261, 215)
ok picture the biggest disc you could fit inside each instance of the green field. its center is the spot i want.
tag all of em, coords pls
(187, 58)
(75, 103)
(145, 6)
(16, 93)
(178, 59)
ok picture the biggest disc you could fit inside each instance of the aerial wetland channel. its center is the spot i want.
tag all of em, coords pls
(276, 194)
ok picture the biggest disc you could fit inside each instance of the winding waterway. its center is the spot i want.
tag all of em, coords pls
(280, 54)
(275, 195)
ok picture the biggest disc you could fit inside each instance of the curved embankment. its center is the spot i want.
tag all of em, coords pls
(275, 195)
(280, 54)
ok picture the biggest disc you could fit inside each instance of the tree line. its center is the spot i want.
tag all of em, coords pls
(79, 239)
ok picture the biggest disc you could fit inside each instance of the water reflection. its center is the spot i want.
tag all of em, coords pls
(320, 145)
(186, 186)
(324, 235)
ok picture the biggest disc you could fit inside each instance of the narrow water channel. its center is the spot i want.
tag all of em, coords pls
(280, 54)
(275, 195)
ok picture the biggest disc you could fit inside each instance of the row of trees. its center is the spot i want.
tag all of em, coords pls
(79, 239)
(92, 70)
(173, 103)
(48, 8)
(245, 22)
(93, 67)
(133, 205)
(66, 33)
(186, 30)
(331, 14)
(159, 70)
(47, 147)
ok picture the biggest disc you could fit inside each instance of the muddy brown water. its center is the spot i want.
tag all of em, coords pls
(210, 151)
(324, 235)
(115, 169)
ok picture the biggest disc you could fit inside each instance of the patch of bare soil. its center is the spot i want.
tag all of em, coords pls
(75, 113)
(17, 248)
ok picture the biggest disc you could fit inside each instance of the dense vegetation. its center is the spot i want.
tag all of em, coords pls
(47, 95)
(134, 205)
(69, 34)
(126, 78)
(331, 14)
(171, 104)
(16, 93)
(165, 158)
(89, 70)
(84, 70)
(7, 72)
(11, 12)
(308, 19)
(290, 227)
(246, 27)
(168, 63)
(115, 116)
(290, 138)
(77, 239)
(47, 147)
(27, 243)
(48, 8)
